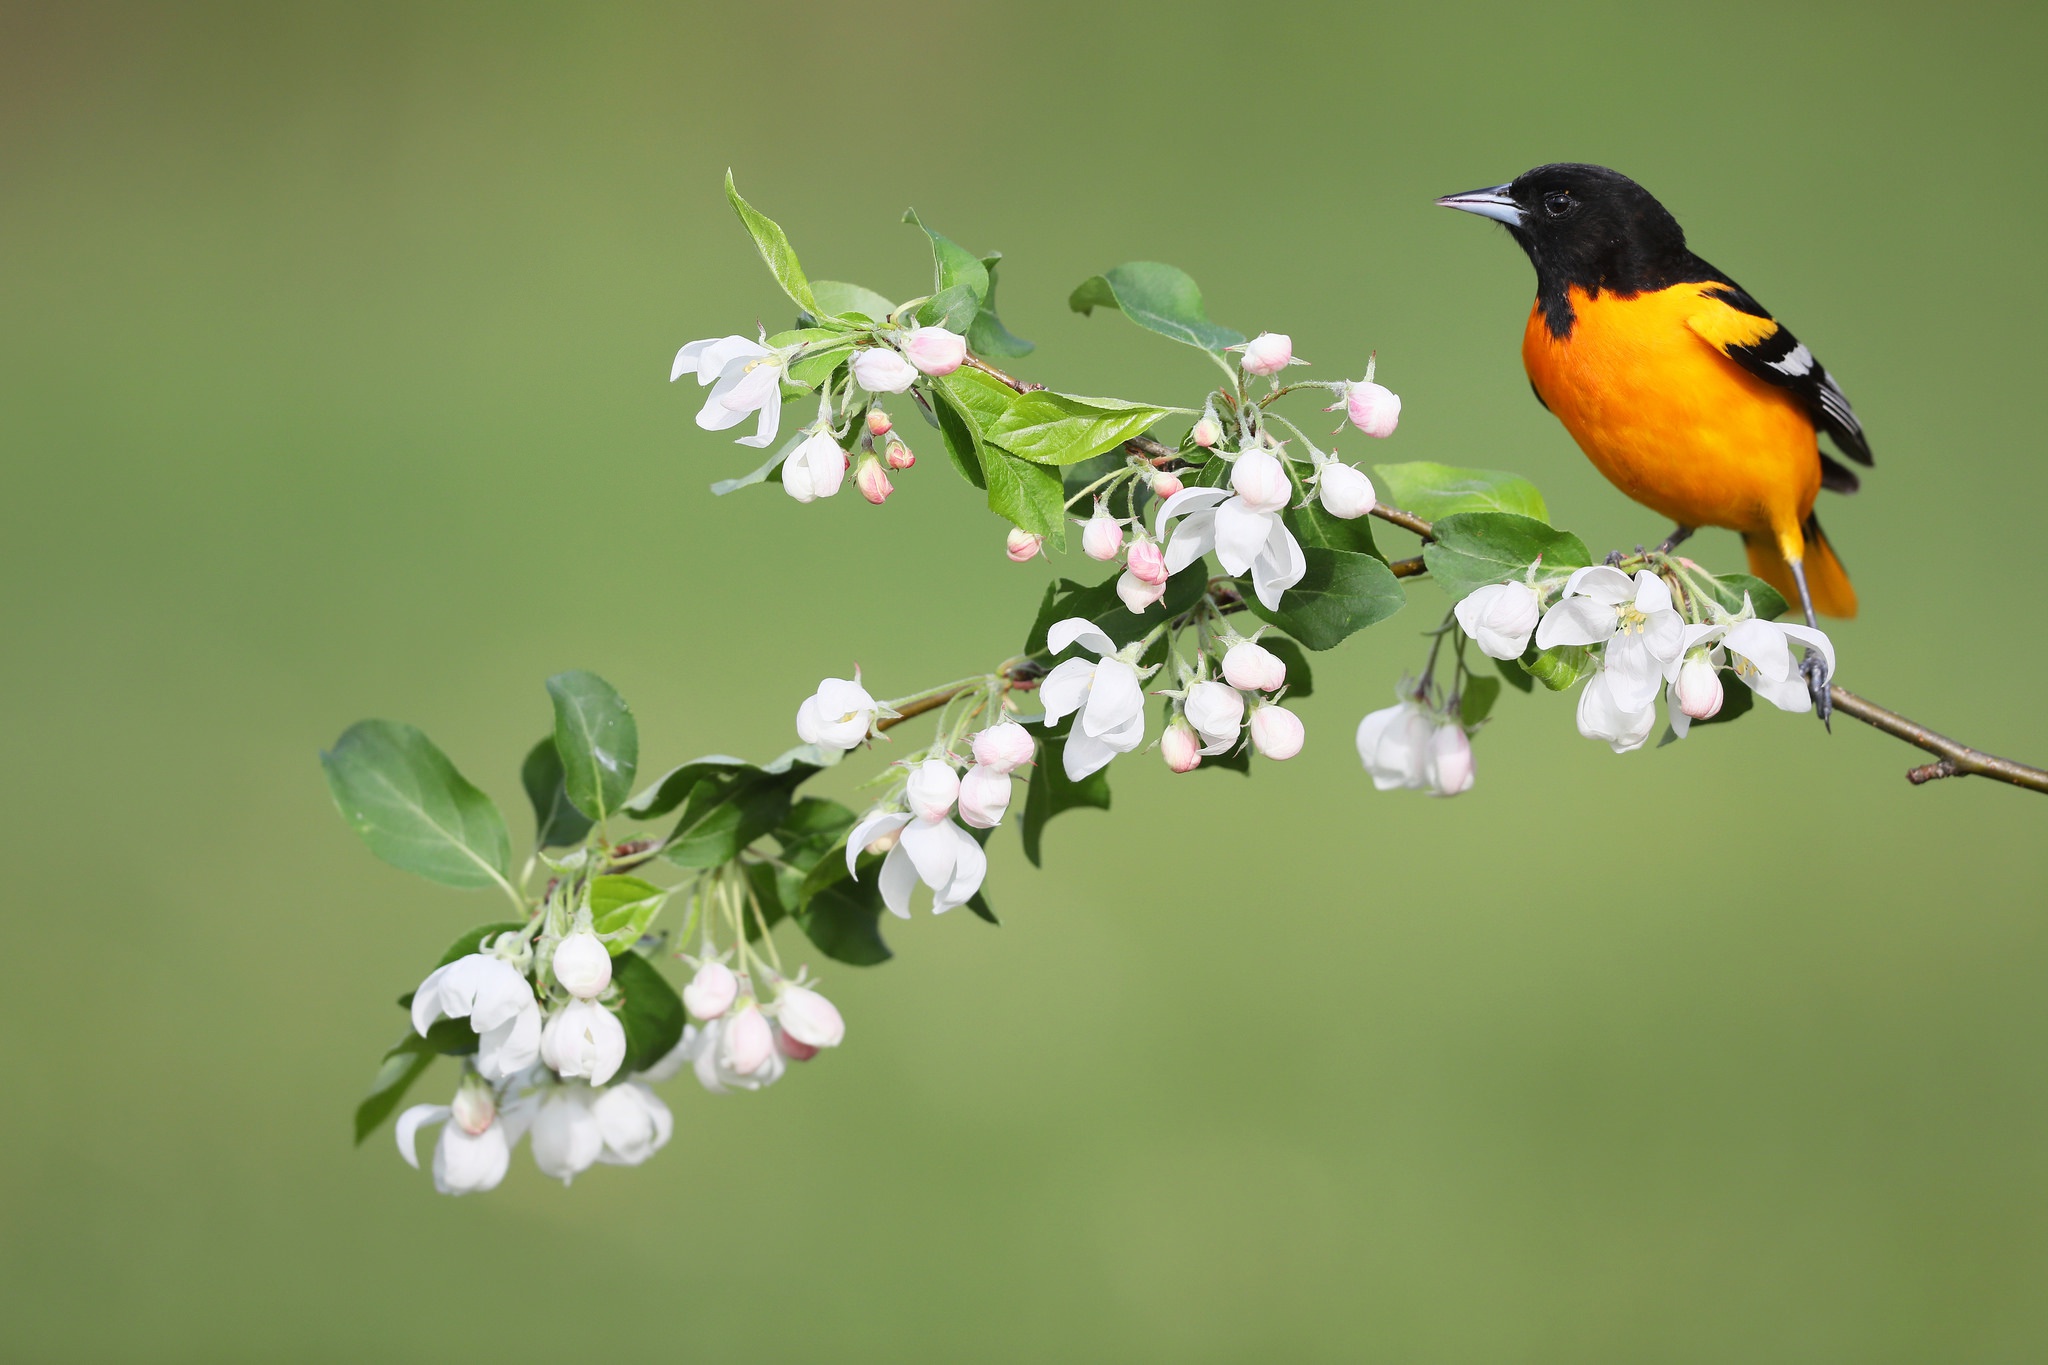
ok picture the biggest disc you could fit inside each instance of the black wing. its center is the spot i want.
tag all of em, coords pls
(1782, 359)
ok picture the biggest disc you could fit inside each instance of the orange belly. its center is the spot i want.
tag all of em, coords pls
(1671, 421)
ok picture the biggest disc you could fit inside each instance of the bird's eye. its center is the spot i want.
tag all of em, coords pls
(1557, 203)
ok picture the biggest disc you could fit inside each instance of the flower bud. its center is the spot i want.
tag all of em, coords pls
(1698, 689)
(880, 370)
(1216, 710)
(584, 1039)
(935, 350)
(1345, 491)
(1146, 561)
(932, 789)
(635, 1124)
(1261, 480)
(1180, 746)
(567, 1139)
(1165, 485)
(1206, 434)
(1021, 545)
(1373, 408)
(879, 423)
(746, 1040)
(984, 796)
(1136, 593)
(711, 991)
(1450, 760)
(1268, 353)
(814, 469)
(1276, 731)
(873, 481)
(1102, 537)
(469, 1163)
(583, 965)
(1005, 747)
(836, 716)
(809, 1017)
(475, 1107)
(1500, 618)
(792, 1049)
(1253, 667)
(899, 455)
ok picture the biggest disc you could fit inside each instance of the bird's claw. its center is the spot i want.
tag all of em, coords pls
(1815, 671)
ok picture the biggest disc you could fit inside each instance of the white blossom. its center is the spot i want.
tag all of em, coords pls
(932, 788)
(1276, 731)
(1450, 760)
(745, 378)
(935, 350)
(464, 1162)
(1251, 666)
(1138, 593)
(1634, 620)
(881, 370)
(1394, 745)
(1005, 747)
(583, 965)
(1246, 534)
(1205, 433)
(711, 991)
(1102, 535)
(1216, 710)
(809, 1017)
(499, 1004)
(584, 1039)
(1500, 617)
(567, 1138)
(1762, 654)
(1603, 714)
(1268, 353)
(1373, 408)
(938, 853)
(814, 469)
(837, 716)
(984, 796)
(1107, 695)
(633, 1122)
(705, 1049)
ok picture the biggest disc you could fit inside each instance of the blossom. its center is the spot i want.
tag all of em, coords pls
(1268, 353)
(1604, 714)
(814, 469)
(1643, 635)
(1216, 710)
(633, 1122)
(1005, 747)
(1180, 746)
(745, 378)
(746, 1042)
(1696, 691)
(567, 1137)
(1020, 545)
(873, 481)
(880, 370)
(1500, 617)
(1106, 698)
(499, 1004)
(1205, 433)
(1276, 731)
(837, 716)
(809, 1017)
(705, 1049)
(938, 853)
(711, 991)
(1762, 656)
(1138, 593)
(984, 797)
(879, 423)
(584, 1039)
(1102, 535)
(1393, 744)
(1373, 408)
(1145, 561)
(792, 1049)
(1166, 485)
(935, 350)
(899, 455)
(932, 789)
(1344, 491)
(464, 1162)
(1251, 666)
(1245, 531)
(583, 965)
(1450, 759)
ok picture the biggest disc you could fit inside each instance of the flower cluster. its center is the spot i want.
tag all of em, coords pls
(1213, 717)
(1416, 746)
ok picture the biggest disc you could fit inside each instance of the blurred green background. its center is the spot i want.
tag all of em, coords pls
(333, 385)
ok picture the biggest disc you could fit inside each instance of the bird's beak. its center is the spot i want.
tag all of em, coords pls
(1493, 203)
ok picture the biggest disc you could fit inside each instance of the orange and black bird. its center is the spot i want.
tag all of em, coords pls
(1680, 387)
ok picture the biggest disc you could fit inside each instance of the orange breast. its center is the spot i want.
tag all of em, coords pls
(1669, 419)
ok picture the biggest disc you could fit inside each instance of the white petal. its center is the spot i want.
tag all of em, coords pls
(969, 867)
(872, 827)
(931, 848)
(1633, 675)
(1078, 629)
(1279, 566)
(1653, 594)
(1240, 534)
(1116, 696)
(1086, 754)
(1763, 644)
(409, 1126)
(426, 1001)
(1576, 621)
(899, 879)
(1814, 639)
(1603, 583)
(1681, 723)
(715, 415)
(1182, 503)
(1065, 688)
(1192, 539)
(764, 436)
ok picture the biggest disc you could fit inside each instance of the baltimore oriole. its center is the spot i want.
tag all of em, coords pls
(1681, 388)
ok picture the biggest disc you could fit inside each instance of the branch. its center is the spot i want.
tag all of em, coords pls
(1953, 759)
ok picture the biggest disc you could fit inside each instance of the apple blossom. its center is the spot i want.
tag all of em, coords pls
(873, 481)
(583, 965)
(465, 1162)
(1450, 760)
(1268, 353)
(1393, 744)
(1180, 746)
(1260, 480)
(879, 423)
(814, 469)
(711, 991)
(899, 456)
(809, 1017)
(745, 378)
(1106, 694)
(634, 1123)
(584, 1039)
(475, 1106)
(1145, 561)
(837, 716)
(1604, 715)
(1762, 655)
(984, 797)
(1021, 545)
(1205, 433)
(1102, 535)
(1634, 620)
(1373, 408)
(938, 853)
(1243, 537)
(1166, 485)
(1696, 691)
(1344, 491)
(880, 370)
(1251, 666)
(1138, 593)
(1500, 617)
(705, 1049)
(746, 1043)
(1276, 731)
(935, 350)
(499, 1004)
(1005, 747)
(1216, 710)
(932, 788)
(567, 1137)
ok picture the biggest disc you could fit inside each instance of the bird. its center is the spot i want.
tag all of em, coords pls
(1682, 389)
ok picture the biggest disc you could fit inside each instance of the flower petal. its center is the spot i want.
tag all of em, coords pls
(1653, 594)
(872, 827)
(1603, 583)
(1192, 539)
(969, 867)
(1240, 534)
(764, 436)
(1116, 696)
(1182, 503)
(899, 879)
(409, 1126)
(1576, 621)
(1078, 629)
(1086, 754)
(1279, 566)
(931, 848)
(1065, 689)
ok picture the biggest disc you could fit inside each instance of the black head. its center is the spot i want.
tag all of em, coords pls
(1586, 226)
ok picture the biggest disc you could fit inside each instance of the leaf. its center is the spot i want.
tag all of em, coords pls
(1431, 490)
(1341, 593)
(1473, 549)
(817, 364)
(838, 299)
(1313, 526)
(556, 823)
(982, 397)
(761, 880)
(773, 244)
(841, 916)
(725, 815)
(1158, 298)
(598, 740)
(1558, 667)
(953, 309)
(650, 1010)
(813, 826)
(766, 468)
(1729, 588)
(1058, 428)
(673, 787)
(1477, 699)
(400, 1068)
(1051, 791)
(1029, 495)
(987, 336)
(1516, 675)
(407, 802)
(978, 903)
(1300, 681)
(953, 265)
(623, 903)
(958, 431)
(1100, 604)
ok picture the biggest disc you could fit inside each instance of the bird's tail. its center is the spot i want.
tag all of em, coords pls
(1826, 579)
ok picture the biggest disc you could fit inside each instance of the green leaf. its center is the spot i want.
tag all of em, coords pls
(1516, 675)
(1473, 549)
(953, 265)
(1300, 681)
(842, 916)
(1058, 428)
(987, 336)
(982, 909)
(762, 880)
(1313, 526)
(1100, 604)
(816, 365)
(959, 431)
(623, 903)
(1158, 298)
(725, 815)
(1051, 791)
(1341, 593)
(838, 298)
(1558, 667)
(773, 244)
(401, 1067)
(1029, 495)
(598, 740)
(953, 309)
(1477, 699)
(673, 787)
(556, 823)
(768, 467)
(1431, 490)
(980, 396)
(407, 802)
(812, 827)
(1730, 587)
(650, 1010)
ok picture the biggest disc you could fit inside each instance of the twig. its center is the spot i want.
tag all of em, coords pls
(1954, 760)
(1407, 521)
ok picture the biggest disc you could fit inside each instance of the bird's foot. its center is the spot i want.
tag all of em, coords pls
(1614, 559)
(1815, 670)
(1679, 535)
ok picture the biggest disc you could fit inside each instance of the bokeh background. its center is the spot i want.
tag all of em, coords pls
(332, 384)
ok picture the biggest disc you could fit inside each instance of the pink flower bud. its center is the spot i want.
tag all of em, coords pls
(879, 423)
(1253, 667)
(475, 1108)
(1165, 485)
(747, 1040)
(984, 797)
(1261, 480)
(1021, 545)
(1180, 746)
(1101, 537)
(1699, 687)
(1268, 353)
(1373, 408)
(935, 350)
(1276, 732)
(582, 965)
(899, 456)
(1006, 747)
(809, 1017)
(1206, 434)
(1344, 491)
(873, 481)
(792, 1049)
(880, 370)
(1136, 593)
(711, 991)
(1146, 561)
(1450, 760)
(932, 789)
